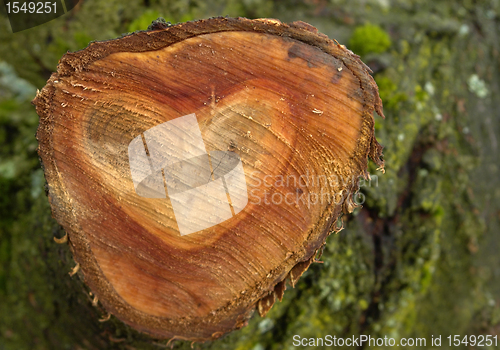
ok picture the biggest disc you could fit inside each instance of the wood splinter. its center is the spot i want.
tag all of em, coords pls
(74, 270)
(105, 318)
(61, 240)
(197, 167)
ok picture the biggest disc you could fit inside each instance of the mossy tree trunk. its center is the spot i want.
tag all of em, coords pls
(418, 258)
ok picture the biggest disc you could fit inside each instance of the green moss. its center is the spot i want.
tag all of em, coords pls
(369, 38)
(402, 265)
(143, 21)
(420, 94)
(82, 39)
(389, 92)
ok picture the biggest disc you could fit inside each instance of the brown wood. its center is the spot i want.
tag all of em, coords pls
(283, 98)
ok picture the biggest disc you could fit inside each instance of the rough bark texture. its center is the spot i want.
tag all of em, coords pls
(419, 259)
(292, 104)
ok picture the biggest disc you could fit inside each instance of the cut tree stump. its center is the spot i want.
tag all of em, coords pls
(198, 167)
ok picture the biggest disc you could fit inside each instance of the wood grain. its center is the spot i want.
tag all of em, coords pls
(288, 101)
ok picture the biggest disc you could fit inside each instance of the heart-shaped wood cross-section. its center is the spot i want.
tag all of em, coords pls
(199, 166)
